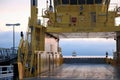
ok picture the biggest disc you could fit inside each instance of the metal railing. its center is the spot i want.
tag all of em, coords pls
(6, 54)
(6, 71)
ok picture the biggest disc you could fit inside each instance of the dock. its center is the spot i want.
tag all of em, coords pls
(7, 57)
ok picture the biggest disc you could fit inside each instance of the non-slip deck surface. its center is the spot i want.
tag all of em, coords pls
(82, 72)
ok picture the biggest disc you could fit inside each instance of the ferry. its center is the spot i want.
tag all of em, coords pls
(39, 54)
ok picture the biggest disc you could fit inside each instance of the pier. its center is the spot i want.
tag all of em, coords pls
(7, 57)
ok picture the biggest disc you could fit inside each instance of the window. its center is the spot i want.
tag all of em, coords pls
(34, 2)
(73, 2)
(98, 1)
(90, 1)
(65, 1)
(81, 1)
(106, 1)
(93, 17)
(57, 2)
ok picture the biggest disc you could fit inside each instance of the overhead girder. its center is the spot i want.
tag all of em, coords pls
(107, 35)
(82, 29)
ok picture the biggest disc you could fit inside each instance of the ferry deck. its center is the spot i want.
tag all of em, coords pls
(82, 72)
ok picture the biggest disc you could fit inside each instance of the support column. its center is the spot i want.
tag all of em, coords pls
(118, 47)
(42, 38)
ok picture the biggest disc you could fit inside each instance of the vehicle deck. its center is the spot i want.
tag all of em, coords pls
(82, 72)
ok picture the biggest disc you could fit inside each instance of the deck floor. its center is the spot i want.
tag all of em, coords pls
(82, 72)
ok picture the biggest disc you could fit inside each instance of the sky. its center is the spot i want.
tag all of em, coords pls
(18, 11)
(88, 47)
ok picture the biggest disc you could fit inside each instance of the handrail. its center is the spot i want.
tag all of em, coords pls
(6, 54)
(6, 73)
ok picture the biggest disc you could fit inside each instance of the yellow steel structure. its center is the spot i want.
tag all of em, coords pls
(81, 16)
(32, 56)
(67, 16)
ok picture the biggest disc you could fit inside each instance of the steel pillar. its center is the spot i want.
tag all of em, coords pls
(118, 47)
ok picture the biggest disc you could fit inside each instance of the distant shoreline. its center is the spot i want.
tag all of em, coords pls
(87, 56)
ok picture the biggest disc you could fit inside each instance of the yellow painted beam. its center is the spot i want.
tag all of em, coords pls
(82, 29)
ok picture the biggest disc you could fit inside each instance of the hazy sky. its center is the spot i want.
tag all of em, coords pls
(18, 11)
(89, 47)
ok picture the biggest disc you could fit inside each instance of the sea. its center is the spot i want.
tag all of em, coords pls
(88, 47)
